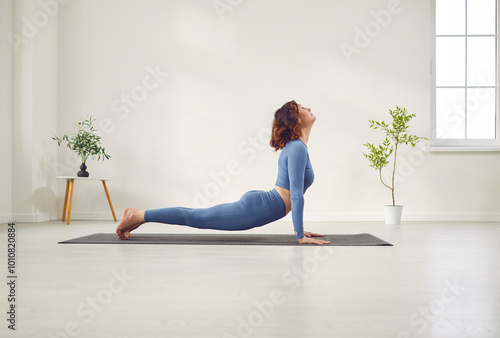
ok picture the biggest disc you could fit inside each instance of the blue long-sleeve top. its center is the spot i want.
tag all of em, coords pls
(296, 174)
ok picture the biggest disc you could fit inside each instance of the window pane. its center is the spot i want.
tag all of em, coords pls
(450, 61)
(450, 113)
(481, 113)
(481, 17)
(450, 17)
(481, 61)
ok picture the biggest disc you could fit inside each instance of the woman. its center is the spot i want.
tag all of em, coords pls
(291, 128)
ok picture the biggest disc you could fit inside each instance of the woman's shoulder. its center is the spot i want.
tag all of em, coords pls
(296, 146)
(298, 143)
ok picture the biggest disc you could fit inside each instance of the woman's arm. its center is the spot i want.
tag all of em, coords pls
(297, 161)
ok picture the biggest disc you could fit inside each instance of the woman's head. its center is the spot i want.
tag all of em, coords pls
(288, 123)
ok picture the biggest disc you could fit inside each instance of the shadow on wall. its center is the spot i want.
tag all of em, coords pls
(43, 200)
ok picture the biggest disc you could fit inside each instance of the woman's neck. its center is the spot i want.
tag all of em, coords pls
(305, 135)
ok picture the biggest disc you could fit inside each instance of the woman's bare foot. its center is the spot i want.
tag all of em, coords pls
(131, 220)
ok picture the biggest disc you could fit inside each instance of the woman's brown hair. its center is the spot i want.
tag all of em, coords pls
(286, 126)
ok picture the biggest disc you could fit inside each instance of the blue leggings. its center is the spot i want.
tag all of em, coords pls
(254, 209)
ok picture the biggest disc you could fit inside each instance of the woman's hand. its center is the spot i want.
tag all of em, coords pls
(307, 239)
(312, 234)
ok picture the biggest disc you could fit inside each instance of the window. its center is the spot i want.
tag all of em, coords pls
(464, 74)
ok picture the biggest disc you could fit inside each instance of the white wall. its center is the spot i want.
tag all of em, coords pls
(44, 151)
(5, 113)
(34, 112)
(227, 74)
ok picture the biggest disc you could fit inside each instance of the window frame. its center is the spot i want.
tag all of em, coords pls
(465, 144)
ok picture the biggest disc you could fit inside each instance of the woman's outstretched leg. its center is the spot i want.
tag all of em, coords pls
(131, 220)
(254, 209)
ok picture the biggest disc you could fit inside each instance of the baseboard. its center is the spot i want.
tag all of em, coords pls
(4, 219)
(106, 216)
(451, 217)
(46, 217)
(34, 218)
(90, 216)
(479, 217)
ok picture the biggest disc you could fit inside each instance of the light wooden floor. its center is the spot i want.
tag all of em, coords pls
(438, 280)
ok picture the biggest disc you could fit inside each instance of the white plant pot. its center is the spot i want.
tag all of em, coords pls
(393, 214)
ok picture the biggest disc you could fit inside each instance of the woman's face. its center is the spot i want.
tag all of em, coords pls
(306, 118)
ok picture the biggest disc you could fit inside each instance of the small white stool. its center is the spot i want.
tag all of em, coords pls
(68, 198)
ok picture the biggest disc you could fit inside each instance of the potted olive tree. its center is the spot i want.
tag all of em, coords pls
(84, 144)
(396, 134)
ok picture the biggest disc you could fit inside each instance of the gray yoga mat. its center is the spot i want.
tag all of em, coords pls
(225, 239)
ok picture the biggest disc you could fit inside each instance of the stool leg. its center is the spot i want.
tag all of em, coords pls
(70, 200)
(65, 201)
(109, 200)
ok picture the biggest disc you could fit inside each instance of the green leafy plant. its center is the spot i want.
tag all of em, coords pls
(85, 143)
(397, 134)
